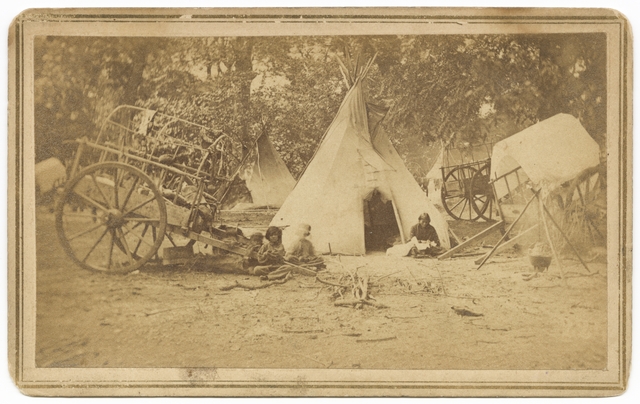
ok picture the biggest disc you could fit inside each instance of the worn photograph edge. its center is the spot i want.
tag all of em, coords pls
(18, 235)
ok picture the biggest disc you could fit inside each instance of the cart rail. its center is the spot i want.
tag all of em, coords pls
(146, 175)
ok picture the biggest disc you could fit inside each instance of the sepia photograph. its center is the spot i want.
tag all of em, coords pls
(320, 202)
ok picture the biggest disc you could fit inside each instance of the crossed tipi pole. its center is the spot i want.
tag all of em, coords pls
(543, 213)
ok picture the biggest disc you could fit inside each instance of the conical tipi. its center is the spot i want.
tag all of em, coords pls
(263, 180)
(356, 189)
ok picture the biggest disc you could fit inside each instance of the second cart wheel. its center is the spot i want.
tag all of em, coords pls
(585, 208)
(455, 193)
(111, 218)
(481, 193)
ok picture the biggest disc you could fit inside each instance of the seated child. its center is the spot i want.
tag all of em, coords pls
(302, 251)
(250, 261)
(301, 258)
(270, 256)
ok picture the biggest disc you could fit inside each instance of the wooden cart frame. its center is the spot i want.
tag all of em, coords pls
(466, 192)
(145, 177)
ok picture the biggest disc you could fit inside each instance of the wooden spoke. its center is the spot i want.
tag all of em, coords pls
(135, 250)
(132, 219)
(129, 192)
(139, 206)
(95, 245)
(125, 246)
(95, 182)
(91, 201)
(456, 196)
(138, 237)
(82, 233)
(459, 202)
(129, 230)
(116, 185)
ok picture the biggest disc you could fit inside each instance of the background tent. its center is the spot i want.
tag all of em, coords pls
(263, 180)
(434, 180)
(550, 153)
(356, 189)
(50, 173)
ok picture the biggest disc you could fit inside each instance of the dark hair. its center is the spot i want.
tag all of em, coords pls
(425, 216)
(273, 230)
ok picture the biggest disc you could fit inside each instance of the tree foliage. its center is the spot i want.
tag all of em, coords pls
(468, 88)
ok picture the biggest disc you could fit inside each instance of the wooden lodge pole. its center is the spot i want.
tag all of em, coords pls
(535, 195)
(566, 238)
(553, 249)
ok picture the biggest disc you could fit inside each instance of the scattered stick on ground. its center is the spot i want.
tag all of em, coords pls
(353, 302)
(151, 313)
(376, 339)
(238, 284)
(303, 331)
(331, 283)
(313, 359)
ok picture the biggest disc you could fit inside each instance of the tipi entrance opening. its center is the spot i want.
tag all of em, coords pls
(380, 225)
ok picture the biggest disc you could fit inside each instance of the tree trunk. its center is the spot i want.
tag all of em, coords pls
(245, 74)
(139, 53)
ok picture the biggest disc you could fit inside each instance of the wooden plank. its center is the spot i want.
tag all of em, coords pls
(473, 239)
(506, 233)
(397, 214)
(209, 240)
(507, 244)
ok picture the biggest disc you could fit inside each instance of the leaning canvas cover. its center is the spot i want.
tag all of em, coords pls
(441, 239)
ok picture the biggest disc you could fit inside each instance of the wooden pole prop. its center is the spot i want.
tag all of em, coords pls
(535, 195)
(509, 243)
(553, 249)
(566, 238)
(398, 220)
(475, 238)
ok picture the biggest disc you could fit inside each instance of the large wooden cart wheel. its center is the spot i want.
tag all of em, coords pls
(585, 206)
(111, 218)
(455, 193)
(481, 193)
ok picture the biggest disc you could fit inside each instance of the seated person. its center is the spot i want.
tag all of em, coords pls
(301, 258)
(302, 251)
(424, 240)
(270, 256)
(428, 242)
(250, 261)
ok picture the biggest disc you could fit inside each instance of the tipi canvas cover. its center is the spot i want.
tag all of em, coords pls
(353, 163)
(550, 153)
(434, 180)
(265, 176)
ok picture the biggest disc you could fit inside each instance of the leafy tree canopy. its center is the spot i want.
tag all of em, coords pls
(455, 88)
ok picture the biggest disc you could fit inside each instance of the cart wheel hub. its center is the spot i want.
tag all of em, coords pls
(114, 218)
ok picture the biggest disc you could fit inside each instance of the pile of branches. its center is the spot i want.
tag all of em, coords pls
(354, 292)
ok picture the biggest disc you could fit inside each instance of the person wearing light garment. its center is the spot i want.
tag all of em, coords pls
(301, 258)
(428, 242)
(302, 251)
(424, 241)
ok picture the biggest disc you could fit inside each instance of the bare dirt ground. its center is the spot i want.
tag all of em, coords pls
(181, 316)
